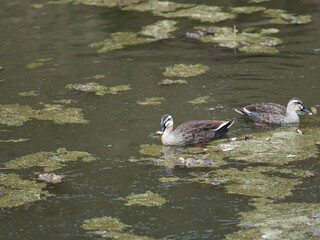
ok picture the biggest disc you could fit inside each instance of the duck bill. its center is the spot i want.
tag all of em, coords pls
(161, 131)
(306, 111)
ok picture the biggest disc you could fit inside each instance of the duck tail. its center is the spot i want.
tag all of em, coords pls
(241, 111)
(225, 125)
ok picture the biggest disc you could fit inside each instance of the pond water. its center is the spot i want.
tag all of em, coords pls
(56, 38)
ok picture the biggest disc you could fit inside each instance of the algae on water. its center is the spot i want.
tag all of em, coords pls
(250, 40)
(17, 192)
(104, 224)
(160, 30)
(156, 6)
(60, 115)
(120, 40)
(49, 161)
(28, 94)
(151, 101)
(200, 100)
(280, 221)
(203, 13)
(108, 227)
(97, 89)
(147, 199)
(279, 16)
(183, 70)
(15, 114)
(172, 82)
(246, 10)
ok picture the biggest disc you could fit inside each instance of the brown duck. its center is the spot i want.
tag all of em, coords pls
(192, 132)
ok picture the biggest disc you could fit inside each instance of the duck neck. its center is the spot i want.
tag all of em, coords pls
(167, 135)
(292, 116)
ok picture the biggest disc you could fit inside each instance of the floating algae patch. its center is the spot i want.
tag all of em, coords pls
(99, 76)
(117, 89)
(60, 115)
(246, 10)
(89, 87)
(34, 65)
(120, 40)
(123, 236)
(50, 161)
(97, 89)
(183, 70)
(147, 199)
(276, 147)
(151, 101)
(156, 6)
(29, 94)
(251, 40)
(250, 182)
(14, 140)
(200, 100)
(104, 224)
(63, 101)
(151, 150)
(40, 62)
(15, 114)
(162, 156)
(201, 13)
(99, 3)
(279, 16)
(280, 221)
(160, 29)
(172, 82)
(16, 191)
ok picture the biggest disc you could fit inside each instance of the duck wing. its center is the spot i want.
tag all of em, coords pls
(197, 131)
(263, 112)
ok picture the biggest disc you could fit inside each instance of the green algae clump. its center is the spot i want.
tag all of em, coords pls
(250, 40)
(250, 182)
(50, 161)
(279, 16)
(29, 94)
(160, 30)
(147, 199)
(104, 224)
(151, 101)
(60, 115)
(156, 6)
(280, 221)
(97, 89)
(151, 150)
(98, 76)
(171, 82)
(15, 114)
(183, 70)
(123, 236)
(63, 101)
(15, 140)
(203, 13)
(120, 40)
(200, 100)
(17, 192)
(34, 65)
(246, 10)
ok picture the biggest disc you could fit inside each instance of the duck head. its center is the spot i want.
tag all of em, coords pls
(166, 122)
(296, 104)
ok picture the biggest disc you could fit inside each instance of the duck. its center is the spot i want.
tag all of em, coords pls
(273, 113)
(192, 132)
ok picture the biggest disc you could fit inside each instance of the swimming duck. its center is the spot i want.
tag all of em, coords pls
(192, 132)
(274, 113)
